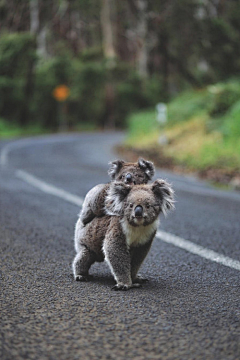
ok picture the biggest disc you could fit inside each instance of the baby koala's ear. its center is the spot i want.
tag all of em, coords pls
(114, 202)
(115, 167)
(147, 167)
(165, 194)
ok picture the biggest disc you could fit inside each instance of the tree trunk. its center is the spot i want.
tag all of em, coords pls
(142, 38)
(107, 30)
(34, 16)
(24, 116)
(165, 54)
(36, 29)
(110, 54)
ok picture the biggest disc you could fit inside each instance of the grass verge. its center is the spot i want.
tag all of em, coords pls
(202, 134)
(8, 130)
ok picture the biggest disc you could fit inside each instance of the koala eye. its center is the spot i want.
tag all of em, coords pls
(147, 206)
(131, 205)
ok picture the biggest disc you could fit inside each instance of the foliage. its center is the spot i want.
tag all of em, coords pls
(225, 95)
(221, 49)
(187, 105)
(130, 96)
(231, 127)
(17, 57)
(13, 129)
(87, 81)
(142, 128)
(86, 101)
(49, 74)
(159, 49)
(192, 141)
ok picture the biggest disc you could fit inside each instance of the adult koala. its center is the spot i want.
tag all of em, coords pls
(124, 236)
(139, 172)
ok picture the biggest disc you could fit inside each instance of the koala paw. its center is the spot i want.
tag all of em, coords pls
(139, 279)
(124, 287)
(81, 278)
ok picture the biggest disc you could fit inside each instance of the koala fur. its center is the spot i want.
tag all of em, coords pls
(129, 173)
(124, 236)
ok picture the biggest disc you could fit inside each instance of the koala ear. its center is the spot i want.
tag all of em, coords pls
(165, 194)
(114, 202)
(115, 167)
(147, 167)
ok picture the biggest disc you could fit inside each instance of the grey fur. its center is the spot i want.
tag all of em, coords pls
(94, 203)
(123, 239)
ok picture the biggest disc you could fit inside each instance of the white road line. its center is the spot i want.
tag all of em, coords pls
(4, 154)
(162, 235)
(49, 189)
(198, 250)
(178, 185)
(21, 143)
(13, 146)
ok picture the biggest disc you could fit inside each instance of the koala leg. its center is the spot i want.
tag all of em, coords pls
(82, 263)
(118, 258)
(138, 254)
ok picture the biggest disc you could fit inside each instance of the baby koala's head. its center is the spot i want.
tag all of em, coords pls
(129, 173)
(140, 205)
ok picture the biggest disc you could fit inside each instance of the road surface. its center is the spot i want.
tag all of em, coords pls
(189, 309)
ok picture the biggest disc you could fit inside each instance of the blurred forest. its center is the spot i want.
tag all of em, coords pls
(114, 56)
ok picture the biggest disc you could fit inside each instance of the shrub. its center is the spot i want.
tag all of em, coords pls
(187, 105)
(130, 97)
(87, 99)
(231, 127)
(17, 57)
(49, 74)
(224, 96)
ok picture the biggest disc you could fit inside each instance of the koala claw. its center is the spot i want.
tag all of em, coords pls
(139, 279)
(81, 278)
(123, 287)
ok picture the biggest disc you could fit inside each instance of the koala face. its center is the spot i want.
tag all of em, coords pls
(141, 207)
(131, 173)
(139, 204)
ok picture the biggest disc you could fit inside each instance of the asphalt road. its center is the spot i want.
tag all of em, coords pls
(189, 309)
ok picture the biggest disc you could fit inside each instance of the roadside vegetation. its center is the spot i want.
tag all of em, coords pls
(112, 58)
(86, 65)
(202, 132)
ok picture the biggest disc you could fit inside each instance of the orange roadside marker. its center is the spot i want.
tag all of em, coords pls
(61, 92)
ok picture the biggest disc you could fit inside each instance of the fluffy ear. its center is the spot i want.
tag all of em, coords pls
(115, 167)
(114, 202)
(163, 191)
(147, 167)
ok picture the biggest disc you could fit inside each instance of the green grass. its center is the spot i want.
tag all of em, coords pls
(187, 105)
(203, 128)
(142, 128)
(8, 130)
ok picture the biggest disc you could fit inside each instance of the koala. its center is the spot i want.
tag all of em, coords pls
(129, 173)
(124, 236)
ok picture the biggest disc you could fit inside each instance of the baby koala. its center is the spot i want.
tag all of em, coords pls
(129, 173)
(124, 236)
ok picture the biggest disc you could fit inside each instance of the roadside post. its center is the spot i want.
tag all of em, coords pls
(61, 93)
(161, 109)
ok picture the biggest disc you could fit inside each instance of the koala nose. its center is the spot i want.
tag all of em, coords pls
(128, 178)
(138, 211)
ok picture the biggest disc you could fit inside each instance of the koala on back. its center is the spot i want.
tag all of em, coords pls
(129, 173)
(124, 237)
